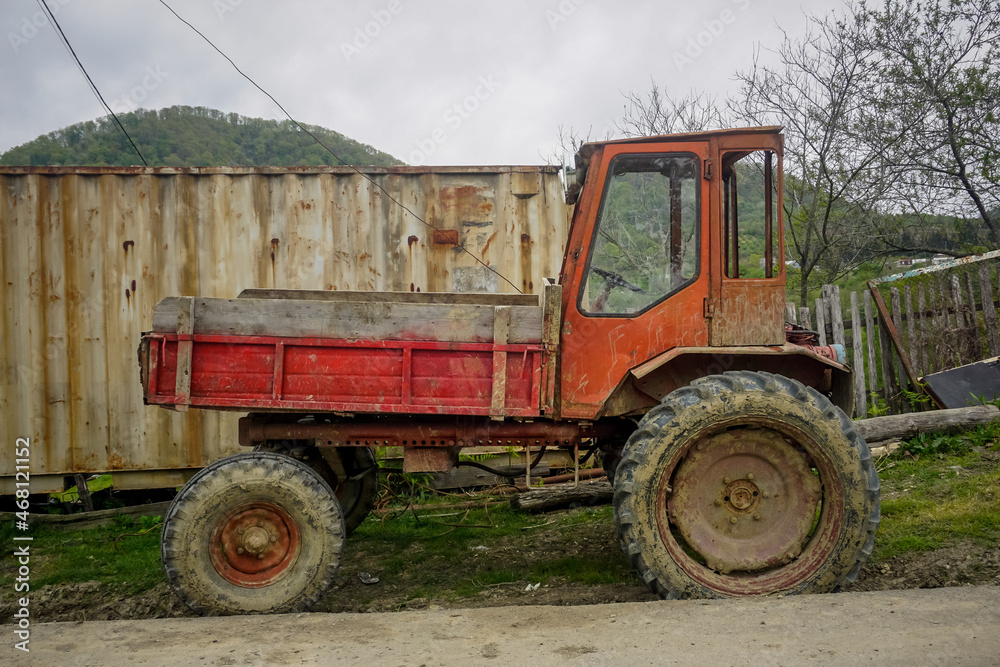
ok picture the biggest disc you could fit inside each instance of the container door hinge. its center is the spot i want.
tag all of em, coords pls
(708, 170)
(709, 309)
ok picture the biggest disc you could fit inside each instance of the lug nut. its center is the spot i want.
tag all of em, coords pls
(718, 503)
(260, 556)
(726, 480)
(757, 516)
(749, 475)
(239, 550)
(273, 539)
(732, 520)
(240, 531)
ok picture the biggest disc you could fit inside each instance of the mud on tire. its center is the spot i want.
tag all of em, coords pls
(746, 484)
(253, 533)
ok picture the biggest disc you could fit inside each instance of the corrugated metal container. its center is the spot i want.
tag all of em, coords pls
(85, 254)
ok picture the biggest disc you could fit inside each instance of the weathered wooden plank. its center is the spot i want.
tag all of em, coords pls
(551, 327)
(922, 340)
(870, 336)
(889, 388)
(501, 332)
(300, 318)
(860, 397)
(911, 329)
(961, 323)
(937, 327)
(804, 317)
(836, 315)
(897, 321)
(821, 321)
(350, 296)
(790, 314)
(184, 309)
(976, 342)
(989, 310)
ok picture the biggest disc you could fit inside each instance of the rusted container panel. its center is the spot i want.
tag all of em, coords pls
(86, 253)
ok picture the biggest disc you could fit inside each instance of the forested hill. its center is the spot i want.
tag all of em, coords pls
(191, 136)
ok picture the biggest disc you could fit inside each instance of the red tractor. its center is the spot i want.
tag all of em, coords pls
(736, 468)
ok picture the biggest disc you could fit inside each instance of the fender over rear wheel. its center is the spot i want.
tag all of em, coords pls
(746, 484)
(253, 533)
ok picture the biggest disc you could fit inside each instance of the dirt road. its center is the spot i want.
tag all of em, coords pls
(953, 626)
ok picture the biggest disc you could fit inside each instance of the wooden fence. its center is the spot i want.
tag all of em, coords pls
(942, 317)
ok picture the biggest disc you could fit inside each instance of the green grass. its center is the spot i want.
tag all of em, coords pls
(941, 490)
(59, 556)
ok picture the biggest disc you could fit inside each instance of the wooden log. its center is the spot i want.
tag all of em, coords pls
(860, 396)
(935, 421)
(83, 520)
(989, 310)
(836, 315)
(870, 335)
(821, 321)
(546, 498)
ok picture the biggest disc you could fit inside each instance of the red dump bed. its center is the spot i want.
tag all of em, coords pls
(339, 353)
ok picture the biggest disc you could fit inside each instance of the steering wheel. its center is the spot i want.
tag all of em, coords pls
(611, 280)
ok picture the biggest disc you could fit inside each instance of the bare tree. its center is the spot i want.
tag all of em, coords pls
(933, 120)
(657, 112)
(816, 91)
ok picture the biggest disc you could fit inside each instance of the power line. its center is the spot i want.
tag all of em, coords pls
(330, 151)
(93, 86)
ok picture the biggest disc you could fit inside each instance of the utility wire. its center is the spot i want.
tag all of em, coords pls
(330, 151)
(93, 86)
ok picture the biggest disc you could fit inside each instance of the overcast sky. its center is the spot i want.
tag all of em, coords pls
(431, 82)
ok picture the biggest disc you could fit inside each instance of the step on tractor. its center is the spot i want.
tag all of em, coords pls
(726, 433)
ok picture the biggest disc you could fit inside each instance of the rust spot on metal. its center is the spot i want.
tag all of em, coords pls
(411, 239)
(446, 236)
(127, 245)
(489, 241)
(133, 287)
(526, 238)
(127, 294)
(411, 287)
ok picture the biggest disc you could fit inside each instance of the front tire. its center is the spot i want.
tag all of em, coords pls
(254, 533)
(746, 484)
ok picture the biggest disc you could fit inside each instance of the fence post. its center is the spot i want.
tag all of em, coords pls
(870, 335)
(820, 322)
(989, 310)
(804, 317)
(860, 399)
(790, 313)
(836, 315)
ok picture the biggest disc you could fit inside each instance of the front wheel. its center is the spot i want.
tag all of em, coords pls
(253, 533)
(746, 484)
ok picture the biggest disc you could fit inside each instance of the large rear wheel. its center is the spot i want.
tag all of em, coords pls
(746, 484)
(253, 533)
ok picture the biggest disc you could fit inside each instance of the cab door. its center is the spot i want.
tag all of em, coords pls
(747, 304)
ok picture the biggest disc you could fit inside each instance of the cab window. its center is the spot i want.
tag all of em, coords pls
(645, 246)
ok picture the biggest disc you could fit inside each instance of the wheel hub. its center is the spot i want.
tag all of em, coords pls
(254, 545)
(744, 500)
